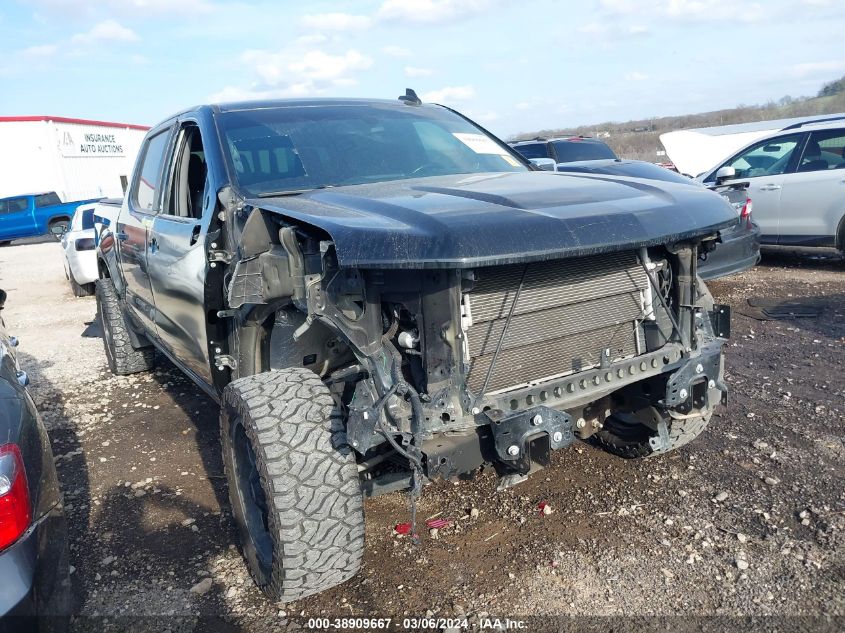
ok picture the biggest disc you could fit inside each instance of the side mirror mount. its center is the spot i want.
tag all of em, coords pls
(544, 164)
(725, 173)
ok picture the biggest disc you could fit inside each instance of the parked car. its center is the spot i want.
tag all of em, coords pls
(379, 293)
(34, 572)
(33, 214)
(105, 212)
(568, 149)
(739, 245)
(78, 251)
(796, 179)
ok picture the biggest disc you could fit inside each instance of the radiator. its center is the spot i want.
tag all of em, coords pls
(569, 313)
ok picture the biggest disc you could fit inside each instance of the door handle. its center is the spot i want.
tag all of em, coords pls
(769, 187)
(153, 245)
(120, 235)
(195, 234)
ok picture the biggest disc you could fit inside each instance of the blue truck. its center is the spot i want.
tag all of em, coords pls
(33, 214)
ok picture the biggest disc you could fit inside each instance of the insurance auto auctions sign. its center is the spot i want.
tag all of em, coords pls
(91, 142)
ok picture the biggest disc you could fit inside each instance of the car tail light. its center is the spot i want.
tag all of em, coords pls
(745, 212)
(15, 509)
(85, 244)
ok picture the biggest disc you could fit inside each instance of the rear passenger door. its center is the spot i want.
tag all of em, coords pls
(813, 197)
(132, 227)
(176, 254)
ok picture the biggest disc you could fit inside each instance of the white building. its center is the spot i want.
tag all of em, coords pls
(76, 158)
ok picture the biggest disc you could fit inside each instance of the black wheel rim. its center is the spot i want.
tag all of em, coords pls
(251, 492)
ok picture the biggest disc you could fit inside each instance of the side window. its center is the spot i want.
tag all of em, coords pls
(145, 194)
(16, 205)
(533, 150)
(4, 206)
(766, 158)
(825, 150)
(88, 219)
(188, 176)
(47, 200)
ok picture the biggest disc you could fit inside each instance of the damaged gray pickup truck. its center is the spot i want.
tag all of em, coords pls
(379, 293)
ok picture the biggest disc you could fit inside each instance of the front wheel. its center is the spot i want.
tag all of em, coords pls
(293, 483)
(624, 436)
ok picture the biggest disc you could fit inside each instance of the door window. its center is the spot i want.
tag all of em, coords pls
(533, 150)
(47, 200)
(145, 195)
(824, 151)
(13, 205)
(188, 174)
(767, 158)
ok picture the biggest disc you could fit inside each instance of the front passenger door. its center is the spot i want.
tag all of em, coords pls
(813, 198)
(132, 225)
(177, 257)
(763, 166)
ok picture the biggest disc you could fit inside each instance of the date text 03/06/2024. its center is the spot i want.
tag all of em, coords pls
(415, 624)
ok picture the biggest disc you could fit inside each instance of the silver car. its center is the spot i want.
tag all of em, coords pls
(796, 177)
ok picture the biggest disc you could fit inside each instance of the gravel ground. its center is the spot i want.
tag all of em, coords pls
(746, 521)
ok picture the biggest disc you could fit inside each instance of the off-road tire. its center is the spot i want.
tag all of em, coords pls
(311, 533)
(629, 440)
(122, 357)
(80, 290)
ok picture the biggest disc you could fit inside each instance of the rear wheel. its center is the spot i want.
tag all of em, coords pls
(123, 358)
(625, 436)
(80, 290)
(293, 483)
(62, 222)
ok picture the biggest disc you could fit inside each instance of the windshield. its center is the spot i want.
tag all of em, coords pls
(301, 147)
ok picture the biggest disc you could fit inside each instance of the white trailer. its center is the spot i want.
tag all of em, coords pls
(76, 158)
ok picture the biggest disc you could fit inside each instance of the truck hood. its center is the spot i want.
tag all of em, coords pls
(491, 219)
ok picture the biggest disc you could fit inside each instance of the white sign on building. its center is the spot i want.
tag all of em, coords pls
(76, 158)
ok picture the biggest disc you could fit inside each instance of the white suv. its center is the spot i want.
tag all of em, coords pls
(796, 179)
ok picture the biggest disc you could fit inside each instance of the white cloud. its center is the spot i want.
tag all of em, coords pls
(396, 51)
(449, 94)
(482, 117)
(688, 10)
(320, 66)
(593, 28)
(413, 71)
(106, 31)
(336, 22)
(809, 69)
(311, 39)
(431, 11)
(636, 76)
(40, 52)
(123, 8)
(295, 72)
